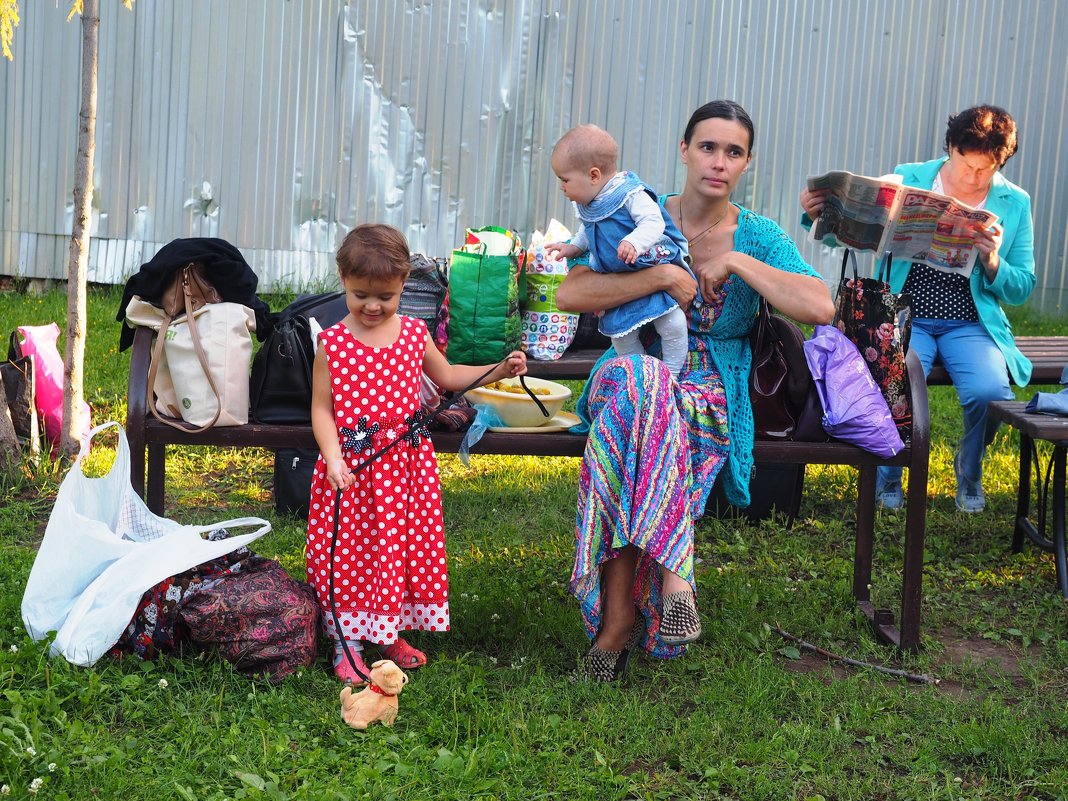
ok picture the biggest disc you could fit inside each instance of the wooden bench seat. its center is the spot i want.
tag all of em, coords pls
(147, 436)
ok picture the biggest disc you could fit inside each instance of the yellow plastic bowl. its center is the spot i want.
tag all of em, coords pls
(517, 410)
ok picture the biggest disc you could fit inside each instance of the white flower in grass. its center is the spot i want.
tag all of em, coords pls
(495, 616)
(31, 751)
(5, 790)
(35, 785)
(51, 767)
(13, 649)
(163, 684)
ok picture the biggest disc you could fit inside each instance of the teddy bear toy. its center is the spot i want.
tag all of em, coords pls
(376, 701)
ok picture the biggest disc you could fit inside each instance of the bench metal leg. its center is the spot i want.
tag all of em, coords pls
(863, 548)
(157, 474)
(912, 574)
(907, 636)
(1023, 494)
(1051, 500)
(1059, 455)
(882, 620)
(135, 437)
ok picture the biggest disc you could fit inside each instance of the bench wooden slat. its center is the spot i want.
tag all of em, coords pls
(1048, 357)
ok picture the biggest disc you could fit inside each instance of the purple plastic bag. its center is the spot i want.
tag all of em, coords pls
(854, 409)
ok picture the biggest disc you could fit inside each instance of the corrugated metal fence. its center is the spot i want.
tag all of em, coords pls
(278, 125)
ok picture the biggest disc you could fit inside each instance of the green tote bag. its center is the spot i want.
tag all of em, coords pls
(486, 282)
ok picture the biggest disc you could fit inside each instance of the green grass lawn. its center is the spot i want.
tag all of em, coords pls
(494, 715)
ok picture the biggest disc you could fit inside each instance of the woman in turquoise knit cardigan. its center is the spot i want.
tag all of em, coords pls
(957, 317)
(655, 443)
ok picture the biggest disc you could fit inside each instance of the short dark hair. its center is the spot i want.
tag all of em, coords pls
(587, 146)
(376, 252)
(983, 129)
(722, 110)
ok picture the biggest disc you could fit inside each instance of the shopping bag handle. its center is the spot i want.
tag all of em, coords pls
(883, 272)
(88, 439)
(847, 257)
(884, 268)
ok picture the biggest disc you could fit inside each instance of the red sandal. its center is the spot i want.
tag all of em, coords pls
(404, 655)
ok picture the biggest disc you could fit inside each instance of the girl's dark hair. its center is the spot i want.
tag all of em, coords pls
(722, 110)
(376, 252)
(983, 129)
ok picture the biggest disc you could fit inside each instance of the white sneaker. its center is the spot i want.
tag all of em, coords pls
(891, 496)
(970, 497)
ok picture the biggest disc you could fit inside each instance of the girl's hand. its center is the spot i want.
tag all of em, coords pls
(813, 202)
(626, 252)
(563, 250)
(515, 364)
(338, 474)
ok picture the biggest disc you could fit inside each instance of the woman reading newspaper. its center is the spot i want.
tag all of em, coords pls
(957, 315)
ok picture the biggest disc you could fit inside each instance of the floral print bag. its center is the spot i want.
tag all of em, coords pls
(879, 323)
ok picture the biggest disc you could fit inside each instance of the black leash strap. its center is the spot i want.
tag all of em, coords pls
(533, 397)
(420, 421)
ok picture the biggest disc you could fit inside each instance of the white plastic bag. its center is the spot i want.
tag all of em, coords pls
(181, 388)
(102, 550)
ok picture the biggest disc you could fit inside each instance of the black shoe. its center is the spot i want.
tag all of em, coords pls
(609, 666)
(680, 623)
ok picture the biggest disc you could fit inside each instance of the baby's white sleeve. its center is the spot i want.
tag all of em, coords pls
(580, 240)
(648, 222)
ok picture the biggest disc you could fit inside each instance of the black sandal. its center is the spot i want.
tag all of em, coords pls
(680, 624)
(609, 666)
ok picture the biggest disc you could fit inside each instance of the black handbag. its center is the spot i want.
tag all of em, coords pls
(20, 395)
(280, 387)
(779, 380)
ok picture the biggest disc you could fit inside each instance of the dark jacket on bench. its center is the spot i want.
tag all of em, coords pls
(224, 266)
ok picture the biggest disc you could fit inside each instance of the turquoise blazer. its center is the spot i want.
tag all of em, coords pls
(1016, 274)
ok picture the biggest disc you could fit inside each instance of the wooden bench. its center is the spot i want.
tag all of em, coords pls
(148, 435)
(1048, 357)
(1035, 427)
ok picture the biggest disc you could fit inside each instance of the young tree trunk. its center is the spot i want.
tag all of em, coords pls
(77, 266)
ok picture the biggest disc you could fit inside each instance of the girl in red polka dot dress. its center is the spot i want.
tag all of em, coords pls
(389, 561)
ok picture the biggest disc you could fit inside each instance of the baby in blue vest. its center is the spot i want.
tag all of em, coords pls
(624, 228)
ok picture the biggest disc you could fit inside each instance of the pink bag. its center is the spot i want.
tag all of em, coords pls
(40, 344)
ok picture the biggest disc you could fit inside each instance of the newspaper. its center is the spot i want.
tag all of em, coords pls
(882, 214)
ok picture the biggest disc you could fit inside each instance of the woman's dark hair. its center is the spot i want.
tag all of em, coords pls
(375, 252)
(983, 129)
(721, 110)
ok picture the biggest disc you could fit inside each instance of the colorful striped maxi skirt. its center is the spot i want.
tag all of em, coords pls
(655, 445)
